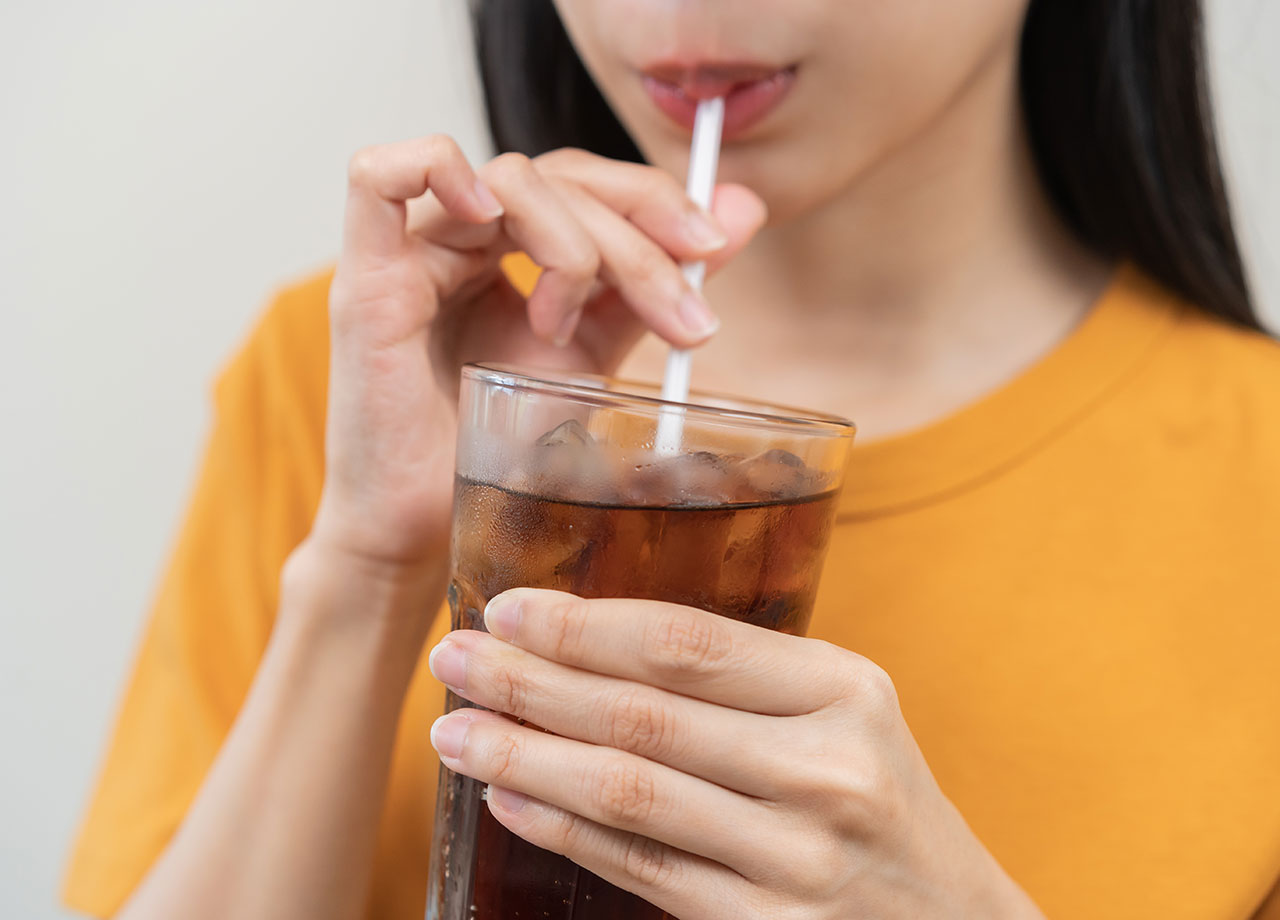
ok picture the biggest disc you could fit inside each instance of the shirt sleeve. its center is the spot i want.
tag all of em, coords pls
(1270, 908)
(253, 501)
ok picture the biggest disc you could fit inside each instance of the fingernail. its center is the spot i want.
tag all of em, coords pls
(506, 799)
(448, 662)
(489, 204)
(502, 616)
(564, 335)
(449, 733)
(702, 232)
(696, 315)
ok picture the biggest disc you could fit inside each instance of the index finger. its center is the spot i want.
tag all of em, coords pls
(381, 180)
(657, 204)
(691, 652)
(647, 196)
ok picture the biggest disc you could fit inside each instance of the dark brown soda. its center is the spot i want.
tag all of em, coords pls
(753, 561)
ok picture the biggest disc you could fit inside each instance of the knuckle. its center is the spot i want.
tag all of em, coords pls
(815, 866)
(647, 862)
(563, 158)
(505, 758)
(565, 834)
(566, 624)
(871, 800)
(689, 644)
(362, 168)
(509, 168)
(624, 794)
(509, 691)
(651, 263)
(640, 724)
(854, 797)
(580, 261)
(441, 147)
(873, 686)
(856, 679)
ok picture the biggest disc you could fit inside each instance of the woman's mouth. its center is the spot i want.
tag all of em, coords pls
(750, 91)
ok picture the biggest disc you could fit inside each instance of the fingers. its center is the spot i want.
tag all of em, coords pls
(695, 737)
(628, 226)
(538, 221)
(644, 274)
(687, 651)
(605, 786)
(679, 883)
(644, 195)
(657, 204)
(586, 220)
(742, 213)
(382, 179)
(578, 240)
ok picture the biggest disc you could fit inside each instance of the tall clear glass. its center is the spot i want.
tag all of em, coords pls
(563, 482)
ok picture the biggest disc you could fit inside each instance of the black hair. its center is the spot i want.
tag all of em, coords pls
(1115, 97)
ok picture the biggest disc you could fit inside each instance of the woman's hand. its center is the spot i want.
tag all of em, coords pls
(419, 291)
(716, 769)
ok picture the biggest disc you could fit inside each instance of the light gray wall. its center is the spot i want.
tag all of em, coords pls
(162, 167)
(1246, 73)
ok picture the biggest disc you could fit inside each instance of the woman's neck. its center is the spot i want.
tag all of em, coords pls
(937, 275)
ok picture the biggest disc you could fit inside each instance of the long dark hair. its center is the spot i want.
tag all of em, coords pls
(1116, 103)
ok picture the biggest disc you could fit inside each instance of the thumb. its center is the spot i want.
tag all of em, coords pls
(741, 212)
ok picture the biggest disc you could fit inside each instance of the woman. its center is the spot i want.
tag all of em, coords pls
(996, 236)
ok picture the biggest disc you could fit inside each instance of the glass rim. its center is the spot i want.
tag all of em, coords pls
(739, 410)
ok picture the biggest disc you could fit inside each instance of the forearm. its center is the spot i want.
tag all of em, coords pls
(285, 823)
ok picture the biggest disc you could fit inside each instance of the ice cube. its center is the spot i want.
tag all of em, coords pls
(699, 478)
(567, 463)
(773, 475)
(567, 434)
(702, 478)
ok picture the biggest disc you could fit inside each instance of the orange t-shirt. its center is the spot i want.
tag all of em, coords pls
(1074, 583)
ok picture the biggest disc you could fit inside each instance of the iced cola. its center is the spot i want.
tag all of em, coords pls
(605, 514)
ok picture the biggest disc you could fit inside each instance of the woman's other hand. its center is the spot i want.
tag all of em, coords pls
(715, 768)
(419, 291)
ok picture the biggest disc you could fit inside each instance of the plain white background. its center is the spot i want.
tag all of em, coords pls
(163, 167)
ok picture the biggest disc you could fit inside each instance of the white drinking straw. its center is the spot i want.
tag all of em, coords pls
(701, 180)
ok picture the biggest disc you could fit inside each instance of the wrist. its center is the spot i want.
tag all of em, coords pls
(390, 538)
(363, 606)
(968, 880)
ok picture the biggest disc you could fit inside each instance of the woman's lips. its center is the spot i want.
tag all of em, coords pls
(750, 92)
